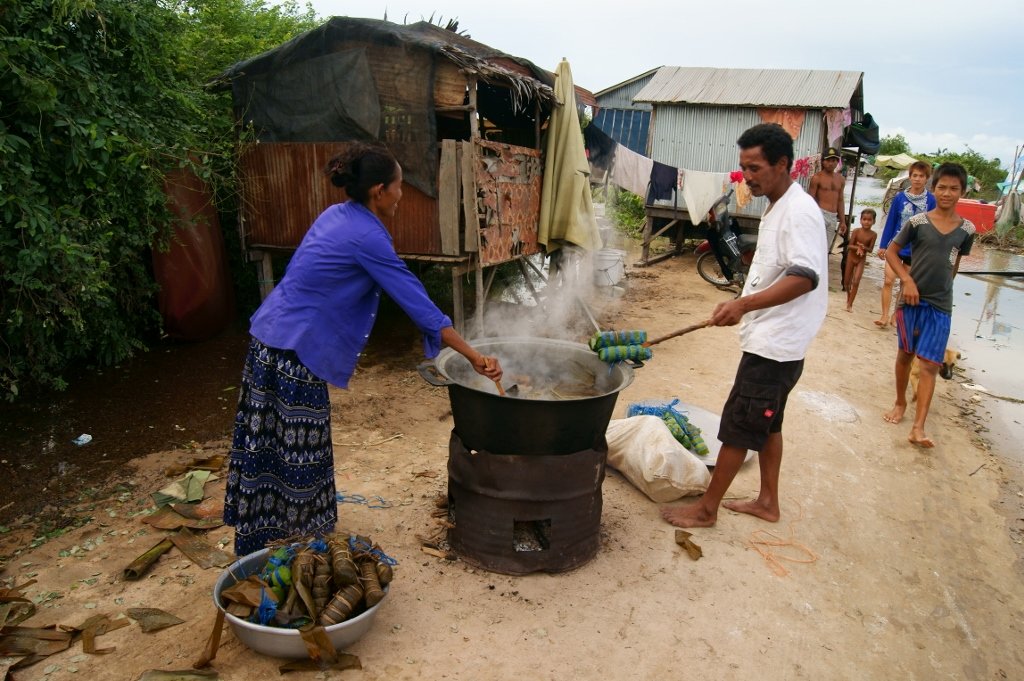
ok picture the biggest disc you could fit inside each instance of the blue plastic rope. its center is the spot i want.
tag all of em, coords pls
(343, 498)
(357, 544)
(267, 609)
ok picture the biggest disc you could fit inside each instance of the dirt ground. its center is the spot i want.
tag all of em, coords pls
(916, 569)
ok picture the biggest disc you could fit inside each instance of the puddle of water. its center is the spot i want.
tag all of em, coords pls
(988, 318)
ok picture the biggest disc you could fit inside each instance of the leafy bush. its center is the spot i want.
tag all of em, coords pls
(92, 115)
(627, 209)
(98, 100)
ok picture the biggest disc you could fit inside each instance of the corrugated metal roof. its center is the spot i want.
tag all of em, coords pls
(629, 81)
(752, 87)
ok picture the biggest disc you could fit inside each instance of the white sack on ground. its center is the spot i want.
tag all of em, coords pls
(643, 450)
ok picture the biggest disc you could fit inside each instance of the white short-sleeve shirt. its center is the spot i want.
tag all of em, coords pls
(791, 233)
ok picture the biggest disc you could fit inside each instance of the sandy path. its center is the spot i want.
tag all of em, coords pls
(915, 576)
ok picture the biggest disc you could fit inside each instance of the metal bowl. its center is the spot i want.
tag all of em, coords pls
(275, 641)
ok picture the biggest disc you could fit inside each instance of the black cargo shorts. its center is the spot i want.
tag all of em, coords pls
(757, 402)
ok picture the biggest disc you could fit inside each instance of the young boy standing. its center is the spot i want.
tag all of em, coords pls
(906, 204)
(862, 242)
(826, 188)
(939, 238)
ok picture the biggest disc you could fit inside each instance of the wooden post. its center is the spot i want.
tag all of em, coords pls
(536, 122)
(474, 120)
(264, 271)
(479, 312)
(648, 228)
(448, 198)
(471, 239)
(458, 311)
(849, 223)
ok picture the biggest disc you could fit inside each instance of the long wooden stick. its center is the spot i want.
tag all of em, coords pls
(680, 332)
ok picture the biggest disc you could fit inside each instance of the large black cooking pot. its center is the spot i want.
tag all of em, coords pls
(564, 400)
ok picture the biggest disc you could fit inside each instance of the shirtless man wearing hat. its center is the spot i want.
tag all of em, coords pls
(827, 189)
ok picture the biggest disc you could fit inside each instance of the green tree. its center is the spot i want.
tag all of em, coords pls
(986, 171)
(893, 144)
(219, 33)
(98, 100)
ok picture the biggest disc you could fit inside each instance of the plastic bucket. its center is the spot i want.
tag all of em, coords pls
(609, 266)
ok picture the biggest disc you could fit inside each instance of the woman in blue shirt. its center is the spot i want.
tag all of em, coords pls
(309, 332)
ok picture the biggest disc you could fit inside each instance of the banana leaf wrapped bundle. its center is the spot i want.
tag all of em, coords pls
(321, 580)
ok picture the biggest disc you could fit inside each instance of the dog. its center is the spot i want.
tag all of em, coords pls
(949, 359)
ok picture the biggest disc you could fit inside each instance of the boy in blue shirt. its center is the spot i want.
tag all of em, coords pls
(906, 204)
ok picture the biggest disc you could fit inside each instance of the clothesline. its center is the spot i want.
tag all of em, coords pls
(657, 181)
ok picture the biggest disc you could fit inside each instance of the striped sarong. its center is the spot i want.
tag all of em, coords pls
(281, 473)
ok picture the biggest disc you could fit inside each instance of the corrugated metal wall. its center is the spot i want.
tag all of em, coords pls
(622, 97)
(704, 138)
(284, 190)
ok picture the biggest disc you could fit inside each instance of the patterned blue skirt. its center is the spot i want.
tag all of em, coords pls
(281, 472)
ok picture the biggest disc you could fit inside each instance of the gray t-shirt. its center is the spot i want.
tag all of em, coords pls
(934, 255)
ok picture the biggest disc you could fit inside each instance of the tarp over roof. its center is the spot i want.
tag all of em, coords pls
(899, 161)
(366, 79)
(801, 88)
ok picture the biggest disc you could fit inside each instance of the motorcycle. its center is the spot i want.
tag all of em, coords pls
(723, 259)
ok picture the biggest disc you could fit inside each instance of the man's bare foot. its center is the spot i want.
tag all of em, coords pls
(693, 515)
(895, 415)
(881, 323)
(849, 308)
(919, 439)
(755, 508)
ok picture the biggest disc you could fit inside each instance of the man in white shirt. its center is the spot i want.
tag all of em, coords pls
(782, 307)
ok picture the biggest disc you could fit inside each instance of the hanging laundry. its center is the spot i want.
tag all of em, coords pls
(631, 171)
(743, 195)
(600, 148)
(835, 124)
(791, 120)
(663, 182)
(800, 169)
(700, 190)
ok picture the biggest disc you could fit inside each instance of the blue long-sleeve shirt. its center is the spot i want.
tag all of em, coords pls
(901, 210)
(325, 305)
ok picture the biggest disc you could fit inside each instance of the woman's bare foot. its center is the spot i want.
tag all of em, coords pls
(895, 415)
(919, 439)
(849, 308)
(881, 323)
(693, 515)
(769, 512)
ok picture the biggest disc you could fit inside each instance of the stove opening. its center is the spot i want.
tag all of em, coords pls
(531, 535)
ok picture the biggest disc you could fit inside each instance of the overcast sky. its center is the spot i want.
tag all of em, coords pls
(942, 73)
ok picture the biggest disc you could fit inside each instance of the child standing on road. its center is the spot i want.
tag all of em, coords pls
(939, 238)
(862, 242)
(909, 202)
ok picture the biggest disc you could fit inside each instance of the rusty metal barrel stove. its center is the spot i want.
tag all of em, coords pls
(525, 473)
(520, 514)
